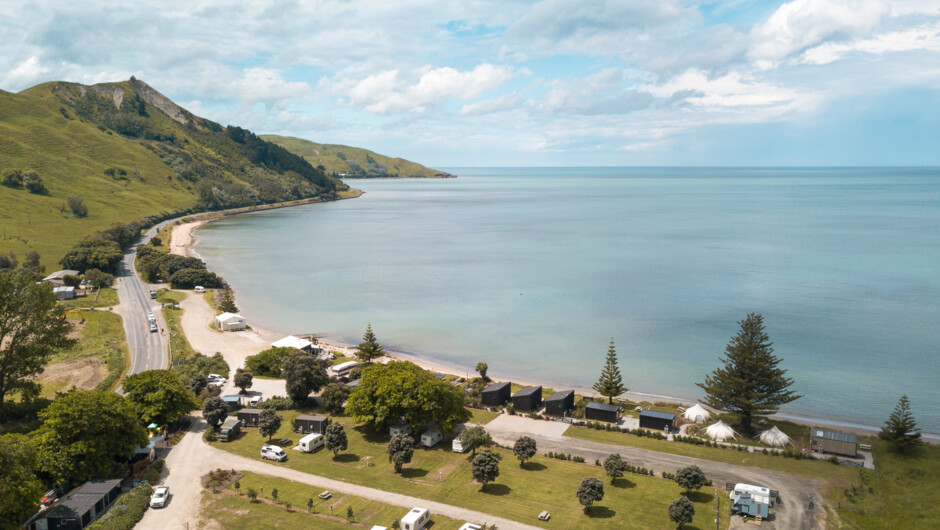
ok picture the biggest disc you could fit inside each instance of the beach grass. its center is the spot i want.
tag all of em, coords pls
(519, 493)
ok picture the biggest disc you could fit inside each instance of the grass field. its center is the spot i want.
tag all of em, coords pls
(101, 336)
(482, 417)
(900, 493)
(179, 346)
(228, 509)
(519, 493)
(106, 297)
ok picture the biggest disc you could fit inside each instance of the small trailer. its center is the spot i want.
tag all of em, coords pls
(311, 443)
(431, 438)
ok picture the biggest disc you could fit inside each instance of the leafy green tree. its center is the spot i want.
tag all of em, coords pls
(274, 495)
(159, 396)
(610, 383)
(99, 254)
(214, 410)
(8, 261)
(189, 278)
(335, 438)
(226, 301)
(20, 490)
(355, 373)
(481, 368)
(681, 511)
(268, 363)
(197, 383)
(84, 432)
(303, 373)
(369, 348)
(750, 381)
(615, 466)
(333, 397)
(400, 450)
(401, 389)
(901, 429)
(309, 504)
(32, 264)
(252, 494)
(590, 491)
(33, 182)
(269, 423)
(524, 449)
(13, 178)
(31, 329)
(77, 205)
(243, 379)
(485, 467)
(349, 513)
(690, 478)
(99, 279)
(475, 436)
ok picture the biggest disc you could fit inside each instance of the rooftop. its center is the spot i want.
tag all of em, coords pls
(603, 406)
(559, 396)
(657, 414)
(308, 417)
(529, 390)
(228, 316)
(250, 411)
(291, 341)
(837, 436)
(494, 387)
(83, 498)
(58, 275)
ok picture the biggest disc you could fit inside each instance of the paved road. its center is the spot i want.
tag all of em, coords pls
(193, 457)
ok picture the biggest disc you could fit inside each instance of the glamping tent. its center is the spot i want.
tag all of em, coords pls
(774, 437)
(697, 414)
(720, 431)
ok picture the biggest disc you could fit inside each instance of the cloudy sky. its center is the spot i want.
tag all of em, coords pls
(512, 83)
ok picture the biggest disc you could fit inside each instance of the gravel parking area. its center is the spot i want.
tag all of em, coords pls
(509, 427)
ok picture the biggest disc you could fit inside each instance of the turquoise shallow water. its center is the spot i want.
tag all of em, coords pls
(534, 269)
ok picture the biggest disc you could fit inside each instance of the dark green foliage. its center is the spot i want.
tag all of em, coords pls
(71, 280)
(20, 490)
(8, 261)
(30, 329)
(189, 278)
(268, 363)
(197, 383)
(99, 254)
(127, 511)
(275, 157)
(355, 373)
(681, 511)
(214, 410)
(524, 449)
(590, 491)
(615, 466)
(481, 368)
(83, 433)
(77, 205)
(252, 494)
(485, 467)
(157, 265)
(226, 300)
(31, 264)
(400, 450)
(901, 429)
(335, 438)
(475, 436)
(159, 396)
(33, 182)
(243, 379)
(349, 513)
(333, 397)
(690, 478)
(369, 348)
(303, 373)
(400, 389)
(13, 178)
(274, 495)
(749, 382)
(610, 383)
(269, 422)
(199, 364)
(99, 279)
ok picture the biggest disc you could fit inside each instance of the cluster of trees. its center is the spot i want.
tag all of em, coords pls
(29, 179)
(303, 372)
(275, 157)
(182, 272)
(30, 264)
(102, 250)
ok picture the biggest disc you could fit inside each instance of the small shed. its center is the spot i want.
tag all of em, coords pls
(250, 417)
(560, 403)
(64, 293)
(80, 507)
(602, 412)
(496, 394)
(306, 424)
(231, 322)
(834, 442)
(233, 401)
(656, 420)
(529, 398)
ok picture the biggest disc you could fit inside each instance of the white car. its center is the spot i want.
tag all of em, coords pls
(158, 499)
(255, 401)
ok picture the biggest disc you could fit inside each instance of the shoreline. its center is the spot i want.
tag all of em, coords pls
(185, 243)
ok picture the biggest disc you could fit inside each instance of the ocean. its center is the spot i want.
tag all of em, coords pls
(534, 270)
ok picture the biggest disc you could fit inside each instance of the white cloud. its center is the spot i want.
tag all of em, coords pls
(489, 106)
(924, 38)
(28, 72)
(728, 91)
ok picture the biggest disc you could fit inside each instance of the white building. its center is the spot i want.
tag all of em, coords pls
(297, 343)
(230, 322)
(64, 293)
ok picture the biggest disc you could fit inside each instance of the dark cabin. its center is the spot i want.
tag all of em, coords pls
(529, 398)
(250, 417)
(307, 424)
(602, 412)
(496, 394)
(560, 403)
(233, 401)
(79, 508)
(656, 420)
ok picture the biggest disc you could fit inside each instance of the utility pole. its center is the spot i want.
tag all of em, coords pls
(717, 510)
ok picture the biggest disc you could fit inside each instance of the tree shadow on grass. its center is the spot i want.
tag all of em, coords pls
(623, 482)
(600, 512)
(346, 458)
(496, 489)
(701, 496)
(371, 435)
(413, 472)
(534, 466)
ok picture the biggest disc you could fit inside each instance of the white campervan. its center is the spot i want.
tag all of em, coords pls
(311, 443)
(457, 446)
(758, 493)
(273, 452)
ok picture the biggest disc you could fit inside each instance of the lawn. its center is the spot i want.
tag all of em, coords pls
(519, 493)
(229, 510)
(166, 296)
(179, 346)
(900, 493)
(105, 297)
(806, 468)
(482, 417)
(101, 336)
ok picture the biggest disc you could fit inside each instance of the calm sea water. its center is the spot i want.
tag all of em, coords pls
(534, 270)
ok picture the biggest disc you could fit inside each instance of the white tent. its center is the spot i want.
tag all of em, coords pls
(697, 413)
(720, 431)
(774, 437)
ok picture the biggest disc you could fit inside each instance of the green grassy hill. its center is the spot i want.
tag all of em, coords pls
(354, 162)
(129, 153)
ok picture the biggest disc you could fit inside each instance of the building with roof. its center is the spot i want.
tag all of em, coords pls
(65, 292)
(250, 417)
(307, 424)
(656, 420)
(833, 442)
(297, 343)
(78, 508)
(602, 412)
(231, 322)
(496, 394)
(57, 278)
(529, 398)
(559, 403)
(233, 401)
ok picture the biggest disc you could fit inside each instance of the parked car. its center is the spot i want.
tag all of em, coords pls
(199, 289)
(273, 452)
(160, 494)
(153, 327)
(545, 516)
(255, 401)
(325, 495)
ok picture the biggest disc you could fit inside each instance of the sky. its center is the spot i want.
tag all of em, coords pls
(513, 83)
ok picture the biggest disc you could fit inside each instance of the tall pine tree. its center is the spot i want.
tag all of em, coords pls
(610, 383)
(901, 430)
(369, 348)
(750, 381)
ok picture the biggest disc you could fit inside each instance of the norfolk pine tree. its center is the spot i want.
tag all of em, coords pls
(750, 381)
(369, 348)
(610, 383)
(901, 430)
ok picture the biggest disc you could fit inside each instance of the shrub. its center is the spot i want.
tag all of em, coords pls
(77, 205)
(127, 511)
